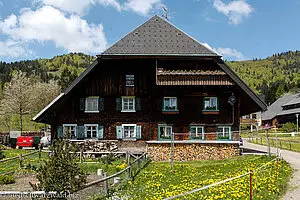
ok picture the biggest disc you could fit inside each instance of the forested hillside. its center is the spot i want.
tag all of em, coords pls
(64, 68)
(269, 77)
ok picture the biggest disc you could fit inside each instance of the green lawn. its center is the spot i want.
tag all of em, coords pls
(157, 181)
(32, 162)
(288, 143)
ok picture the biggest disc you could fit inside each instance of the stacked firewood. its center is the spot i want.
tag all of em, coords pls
(98, 146)
(188, 152)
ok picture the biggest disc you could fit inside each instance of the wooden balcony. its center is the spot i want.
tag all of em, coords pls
(248, 121)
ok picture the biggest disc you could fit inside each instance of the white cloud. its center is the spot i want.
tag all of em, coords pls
(12, 49)
(142, 7)
(231, 53)
(49, 24)
(235, 10)
(72, 6)
(80, 7)
(227, 53)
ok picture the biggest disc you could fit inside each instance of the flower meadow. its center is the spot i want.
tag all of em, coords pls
(158, 181)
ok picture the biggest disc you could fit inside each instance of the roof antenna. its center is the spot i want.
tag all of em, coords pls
(166, 14)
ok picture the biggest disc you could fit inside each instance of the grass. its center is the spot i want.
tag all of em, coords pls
(32, 162)
(111, 168)
(288, 143)
(157, 181)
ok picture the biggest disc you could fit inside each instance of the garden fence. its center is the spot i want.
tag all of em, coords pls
(250, 173)
(106, 185)
(288, 144)
(11, 165)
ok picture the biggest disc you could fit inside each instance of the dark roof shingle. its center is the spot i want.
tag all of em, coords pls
(158, 37)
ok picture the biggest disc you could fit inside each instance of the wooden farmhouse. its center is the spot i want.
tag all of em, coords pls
(155, 82)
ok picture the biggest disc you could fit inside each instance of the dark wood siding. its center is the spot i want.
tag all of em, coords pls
(107, 81)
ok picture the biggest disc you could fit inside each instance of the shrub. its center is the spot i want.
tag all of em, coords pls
(288, 127)
(61, 173)
(7, 179)
(121, 167)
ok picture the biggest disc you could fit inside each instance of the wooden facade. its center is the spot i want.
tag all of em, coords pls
(190, 77)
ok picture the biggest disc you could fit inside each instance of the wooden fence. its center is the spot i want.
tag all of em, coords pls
(106, 183)
(19, 160)
(129, 173)
(288, 144)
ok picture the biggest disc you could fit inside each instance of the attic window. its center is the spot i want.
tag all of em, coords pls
(157, 20)
(179, 34)
(129, 80)
(136, 33)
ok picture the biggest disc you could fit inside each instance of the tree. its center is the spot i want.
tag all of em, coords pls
(61, 172)
(17, 97)
(43, 94)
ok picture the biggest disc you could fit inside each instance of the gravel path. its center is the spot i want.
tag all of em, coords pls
(293, 159)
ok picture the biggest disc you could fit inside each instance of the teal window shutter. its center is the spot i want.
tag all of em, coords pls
(80, 132)
(101, 104)
(59, 131)
(82, 104)
(100, 131)
(138, 105)
(138, 132)
(118, 104)
(119, 132)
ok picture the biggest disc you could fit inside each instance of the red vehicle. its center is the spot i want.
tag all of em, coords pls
(25, 141)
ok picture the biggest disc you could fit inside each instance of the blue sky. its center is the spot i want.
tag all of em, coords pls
(238, 30)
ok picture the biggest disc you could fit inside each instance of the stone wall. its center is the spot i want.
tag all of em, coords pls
(188, 152)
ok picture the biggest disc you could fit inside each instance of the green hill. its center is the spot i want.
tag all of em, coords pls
(64, 68)
(269, 77)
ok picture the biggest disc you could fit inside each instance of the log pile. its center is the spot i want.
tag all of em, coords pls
(189, 152)
(98, 146)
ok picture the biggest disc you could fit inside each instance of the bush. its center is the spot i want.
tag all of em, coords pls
(61, 173)
(288, 127)
(7, 179)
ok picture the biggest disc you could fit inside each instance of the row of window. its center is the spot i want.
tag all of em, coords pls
(196, 132)
(134, 131)
(130, 104)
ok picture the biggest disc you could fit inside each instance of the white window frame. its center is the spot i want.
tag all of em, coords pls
(199, 135)
(129, 80)
(210, 102)
(223, 130)
(128, 110)
(176, 108)
(165, 126)
(123, 131)
(85, 104)
(68, 125)
(85, 130)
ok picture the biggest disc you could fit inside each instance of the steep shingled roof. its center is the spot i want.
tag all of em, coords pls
(158, 37)
(276, 107)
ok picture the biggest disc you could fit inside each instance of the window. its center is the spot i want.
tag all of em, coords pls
(165, 132)
(224, 132)
(91, 130)
(254, 116)
(129, 131)
(129, 80)
(210, 104)
(91, 104)
(128, 104)
(69, 130)
(170, 104)
(197, 132)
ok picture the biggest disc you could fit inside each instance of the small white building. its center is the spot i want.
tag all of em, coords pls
(253, 120)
